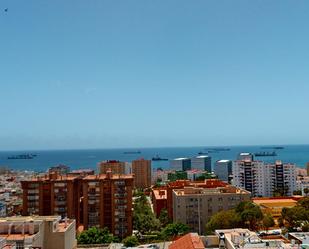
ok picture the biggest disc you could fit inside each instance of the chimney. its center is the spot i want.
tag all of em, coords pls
(10, 229)
(23, 229)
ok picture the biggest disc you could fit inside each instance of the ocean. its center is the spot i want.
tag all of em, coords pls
(88, 158)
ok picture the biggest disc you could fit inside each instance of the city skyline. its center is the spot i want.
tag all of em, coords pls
(138, 74)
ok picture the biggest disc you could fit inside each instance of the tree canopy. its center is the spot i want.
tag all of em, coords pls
(96, 235)
(174, 229)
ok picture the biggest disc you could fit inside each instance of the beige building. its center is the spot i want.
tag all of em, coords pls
(142, 173)
(194, 206)
(48, 232)
(116, 167)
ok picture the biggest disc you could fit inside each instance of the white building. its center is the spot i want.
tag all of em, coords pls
(201, 162)
(223, 169)
(264, 179)
(245, 156)
(181, 164)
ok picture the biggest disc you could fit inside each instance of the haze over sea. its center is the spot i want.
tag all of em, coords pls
(88, 158)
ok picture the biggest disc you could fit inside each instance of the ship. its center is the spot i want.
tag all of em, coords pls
(157, 158)
(23, 156)
(132, 152)
(273, 148)
(202, 153)
(265, 153)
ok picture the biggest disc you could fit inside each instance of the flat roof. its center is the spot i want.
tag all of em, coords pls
(180, 158)
(203, 156)
(104, 176)
(223, 161)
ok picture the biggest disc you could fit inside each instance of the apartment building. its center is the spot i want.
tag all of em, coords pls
(263, 179)
(93, 200)
(223, 169)
(194, 206)
(40, 232)
(117, 167)
(142, 173)
(201, 162)
(52, 194)
(107, 202)
(180, 184)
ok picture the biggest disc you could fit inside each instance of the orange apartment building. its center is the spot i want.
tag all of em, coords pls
(142, 173)
(108, 202)
(117, 167)
(52, 194)
(93, 200)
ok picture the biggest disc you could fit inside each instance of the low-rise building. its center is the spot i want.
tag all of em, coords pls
(194, 206)
(188, 241)
(243, 238)
(159, 200)
(274, 205)
(48, 232)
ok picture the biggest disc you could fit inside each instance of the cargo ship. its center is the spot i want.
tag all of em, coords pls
(264, 153)
(157, 158)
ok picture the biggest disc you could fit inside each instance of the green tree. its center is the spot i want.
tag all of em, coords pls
(250, 214)
(96, 235)
(163, 217)
(130, 241)
(223, 220)
(143, 218)
(174, 229)
(268, 221)
(306, 191)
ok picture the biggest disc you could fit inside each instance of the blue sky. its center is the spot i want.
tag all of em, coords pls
(103, 74)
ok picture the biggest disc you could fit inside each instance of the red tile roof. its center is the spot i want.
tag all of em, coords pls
(189, 241)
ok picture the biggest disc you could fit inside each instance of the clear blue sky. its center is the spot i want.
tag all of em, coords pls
(100, 74)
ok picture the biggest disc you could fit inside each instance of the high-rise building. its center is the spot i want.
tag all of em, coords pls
(115, 166)
(103, 200)
(194, 206)
(245, 156)
(181, 164)
(264, 179)
(52, 194)
(142, 173)
(223, 169)
(201, 162)
(108, 202)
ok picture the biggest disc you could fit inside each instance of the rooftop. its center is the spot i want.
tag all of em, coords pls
(223, 161)
(181, 159)
(160, 193)
(188, 241)
(105, 176)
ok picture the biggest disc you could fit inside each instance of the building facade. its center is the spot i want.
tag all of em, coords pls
(107, 202)
(194, 206)
(223, 169)
(103, 200)
(41, 232)
(52, 194)
(142, 173)
(181, 164)
(265, 179)
(115, 166)
(201, 162)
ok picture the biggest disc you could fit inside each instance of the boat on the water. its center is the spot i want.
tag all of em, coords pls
(265, 153)
(23, 156)
(132, 152)
(202, 153)
(157, 158)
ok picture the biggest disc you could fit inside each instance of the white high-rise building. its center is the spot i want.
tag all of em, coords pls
(263, 179)
(201, 162)
(181, 164)
(223, 169)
